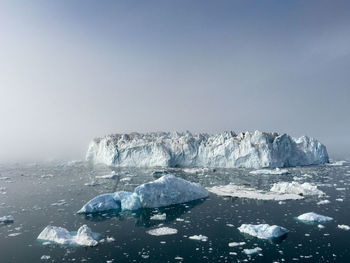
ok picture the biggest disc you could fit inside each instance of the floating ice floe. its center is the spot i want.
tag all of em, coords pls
(158, 217)
(252, 251)
(338, 163)
(6, 219)
(169, 190)
(344, 227)
(165, 191)
(276, 171)
(112, 175)
(197, 170)
(199, 238)
(162, 231)
(313, 217)
(236, 244)
(305, 189)
(45, 257)
(246, 150)
(251, 193)
(263, 231)
(323, 202)
(83, 237)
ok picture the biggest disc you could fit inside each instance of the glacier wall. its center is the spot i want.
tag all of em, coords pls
(229, 150)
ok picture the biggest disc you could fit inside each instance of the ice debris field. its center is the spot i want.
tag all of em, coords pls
(89, 212)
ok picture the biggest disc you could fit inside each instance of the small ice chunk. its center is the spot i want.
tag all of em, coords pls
(100, 203)
(339, 199)
(323, 202)
(236, 244)
(6, 219)
(252, 251)
(320, 226)
(128, 201)
(276, 171)
(344, 227)
(162, 231)
(305, 189)
(60, 235)
(263, 231)
(158, 217)
(14, 234)
(169, 190)
(112, 175)
(313, 217)
(47, 176)
(338, 163)
(110, 239)
(45, 257)
(199, 238)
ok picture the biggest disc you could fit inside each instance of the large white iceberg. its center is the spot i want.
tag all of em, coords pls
(165, 191)
(169, 190)
(313, 217)
(60, 235)
(263, 231)
(247, 150)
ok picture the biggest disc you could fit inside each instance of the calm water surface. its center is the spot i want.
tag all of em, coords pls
(41, 194)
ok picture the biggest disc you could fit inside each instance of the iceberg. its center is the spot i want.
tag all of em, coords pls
(112, 175)
(305, 189)
(313, 217)
(240, 191)
(228, 150)
(169, 190)
(100, 203)
(165, 191)
(263, 231)
(60, 235)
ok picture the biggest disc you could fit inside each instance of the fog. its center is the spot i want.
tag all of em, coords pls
(74, 70)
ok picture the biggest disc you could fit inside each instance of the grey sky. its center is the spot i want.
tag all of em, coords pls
(74, 70)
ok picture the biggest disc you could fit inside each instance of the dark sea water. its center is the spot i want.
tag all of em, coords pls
(38, 195)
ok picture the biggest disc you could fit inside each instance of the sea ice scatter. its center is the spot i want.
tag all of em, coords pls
(263, 231)
(228, 150)
(60, 235)
(313, 217)
(162, 231)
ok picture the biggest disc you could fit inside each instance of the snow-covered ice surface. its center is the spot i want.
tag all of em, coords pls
(240, 191)
(305, 189)
(83, 237)
(314, 217)
(162, 231)
(249, 150)
(263, 231)
(36, 202)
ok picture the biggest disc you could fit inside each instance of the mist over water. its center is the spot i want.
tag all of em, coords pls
(74, 71)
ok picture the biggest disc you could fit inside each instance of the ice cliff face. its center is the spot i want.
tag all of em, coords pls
(245, 150)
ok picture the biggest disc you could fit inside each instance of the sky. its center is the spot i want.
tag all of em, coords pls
(71, 71)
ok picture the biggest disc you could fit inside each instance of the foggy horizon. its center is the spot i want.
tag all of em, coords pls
(72, 72)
